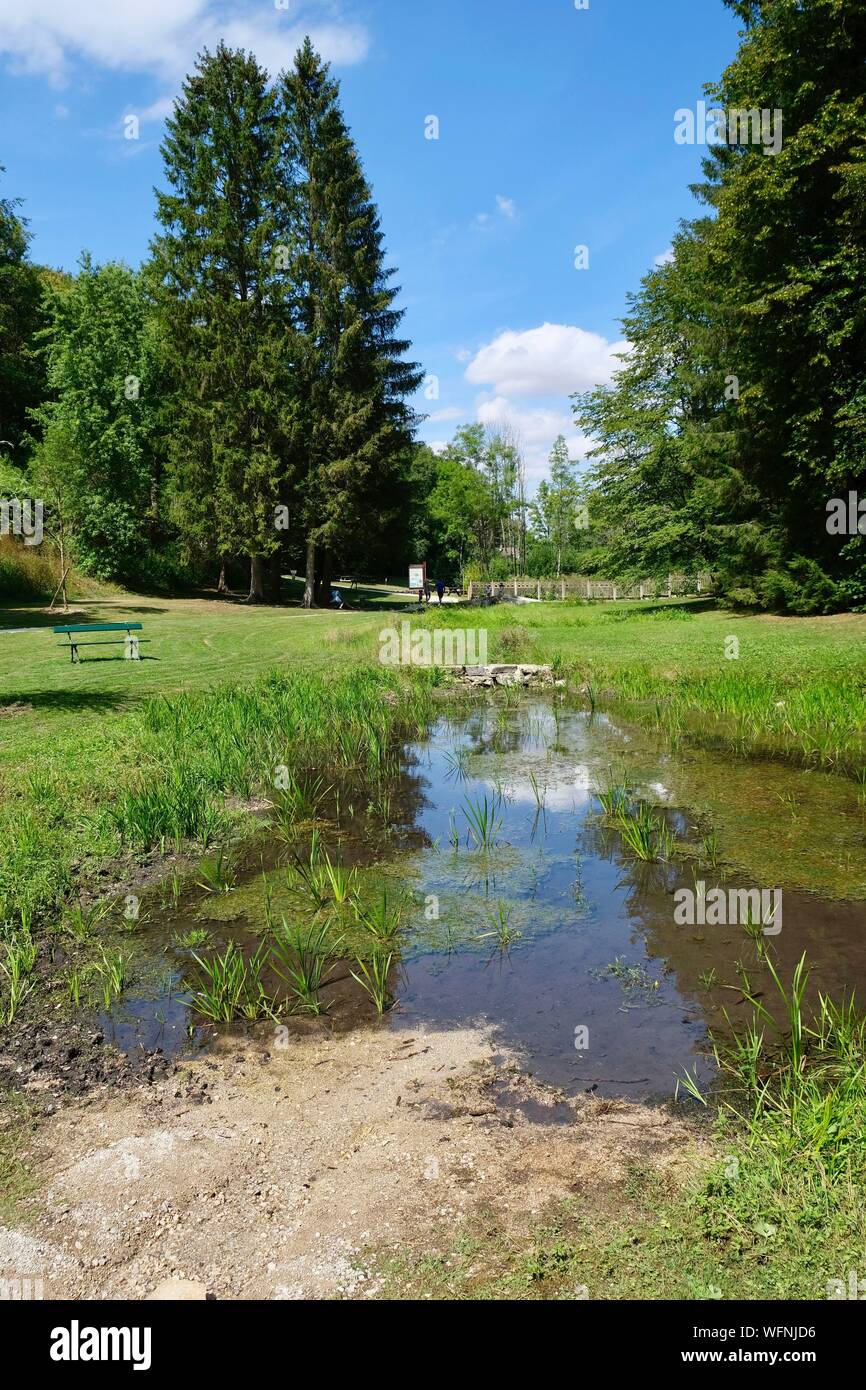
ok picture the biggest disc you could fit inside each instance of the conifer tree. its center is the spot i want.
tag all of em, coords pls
(351, 381)
(215, 276)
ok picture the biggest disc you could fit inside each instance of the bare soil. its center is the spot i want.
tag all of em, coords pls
(272, 1167)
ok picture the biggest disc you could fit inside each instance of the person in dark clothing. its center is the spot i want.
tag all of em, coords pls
(440, 590)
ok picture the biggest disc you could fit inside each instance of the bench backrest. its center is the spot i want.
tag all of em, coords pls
(100, 627)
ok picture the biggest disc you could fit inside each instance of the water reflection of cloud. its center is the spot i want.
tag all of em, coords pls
(561, 789)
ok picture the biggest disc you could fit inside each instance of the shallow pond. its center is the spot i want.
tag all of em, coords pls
(573, 950)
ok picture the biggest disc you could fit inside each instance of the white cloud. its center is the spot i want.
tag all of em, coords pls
(162, 37)
(157, 111)
(451, 412)
(666, 257)
(554, 359)
(507, 209)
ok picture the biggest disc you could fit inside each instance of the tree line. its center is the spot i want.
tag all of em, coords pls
(739, 413)
(243, 396)
(239, 405)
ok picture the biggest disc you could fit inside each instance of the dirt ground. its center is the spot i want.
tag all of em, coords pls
(280, 1163)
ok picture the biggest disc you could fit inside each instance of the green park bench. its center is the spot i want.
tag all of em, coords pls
(74, 642)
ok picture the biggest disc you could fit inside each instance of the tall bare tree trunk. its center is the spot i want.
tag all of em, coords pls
(257, 580)
(309, 599)
(62, 544)
(325, 579)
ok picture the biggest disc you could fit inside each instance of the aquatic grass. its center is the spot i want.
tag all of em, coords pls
(612, 796)
(80, 921)
(639, 829)
(230, 986)
(342, 883)
(539, 793)
(383, 921)
(217, 874)
(170, 806)
(633, 978)
(309, 878)
(792, 1104)
(192, 938)
(16, 967)
(373, 977)
(303, 957)
(482, 821)
(111, 971)
(381, 804)
(645, 833)
(75, 983)
(160, 774)
(710, 849)
(297, 801)
(499, 927)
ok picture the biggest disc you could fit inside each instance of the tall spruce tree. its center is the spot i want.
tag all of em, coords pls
(217, 286)
(351, 379)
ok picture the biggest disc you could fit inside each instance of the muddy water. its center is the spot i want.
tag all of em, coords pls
(555, 935)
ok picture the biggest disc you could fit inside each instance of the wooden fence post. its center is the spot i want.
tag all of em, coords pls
(539, 588)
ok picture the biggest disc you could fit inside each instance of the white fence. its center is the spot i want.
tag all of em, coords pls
(579, 586)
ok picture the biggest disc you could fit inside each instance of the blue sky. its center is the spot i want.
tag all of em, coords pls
(555, 130)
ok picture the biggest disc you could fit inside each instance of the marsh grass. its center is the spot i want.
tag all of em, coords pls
(613, 796)
(792, 1097)
(645, 833)
(111, 970)
(499, 927)
(382, 920)
(217, 874)
(297, 803)
(303, 956)
(374, 975)
(310, 878)
(17, 962)
(194, 937)
(482, 821)
(230, 986)
(163, 778)
(81, 921)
